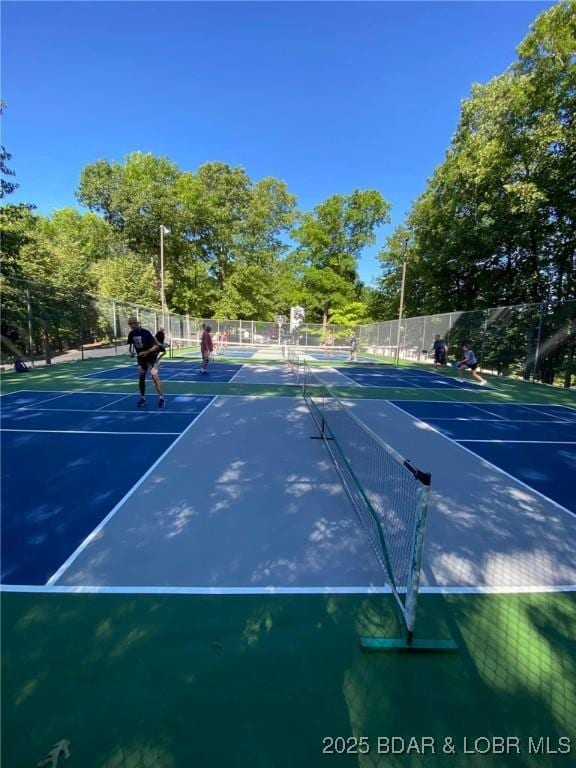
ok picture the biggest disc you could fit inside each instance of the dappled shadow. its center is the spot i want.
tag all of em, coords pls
(223, 681)
(484, 528)
(246, 499)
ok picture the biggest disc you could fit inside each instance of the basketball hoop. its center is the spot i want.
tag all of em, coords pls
(280, 319)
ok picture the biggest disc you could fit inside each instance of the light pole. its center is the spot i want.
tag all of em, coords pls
(163, 231)
(401, 301)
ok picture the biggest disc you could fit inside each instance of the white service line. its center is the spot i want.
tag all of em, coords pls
(242, 366)
(64, 567)
(527, 442)
(118, 400)
(356, 383)
(480, 407)
(385, 590)
(481, 458)
(81, 432)
(496, 421)
(106, 410)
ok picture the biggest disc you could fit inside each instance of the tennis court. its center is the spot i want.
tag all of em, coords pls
(171, 372)
(189, 586)
(534, 443)
(91, 448)
(390, 376)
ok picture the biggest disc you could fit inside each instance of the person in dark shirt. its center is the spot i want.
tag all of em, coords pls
(440, 350)
(161, 339)
(143, 344)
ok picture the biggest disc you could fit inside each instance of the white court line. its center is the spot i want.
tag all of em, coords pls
(64, 567)
(475, 402)
(356, 383)
(481, 458)
(497, 421)
(81, 432)
(135, 410)
(242, 366)
(483, 411)
(541, 405)
(528, 442)
(56, 396)
(385, 590)
(62, 392)
(118, 400)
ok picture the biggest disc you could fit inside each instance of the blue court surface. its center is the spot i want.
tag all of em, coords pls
(172, 372)
(533, 443)
(240, 352)
(338, 357)
(56, 449)
(388, 376)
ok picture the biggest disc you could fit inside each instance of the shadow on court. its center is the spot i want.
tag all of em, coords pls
(224, 682)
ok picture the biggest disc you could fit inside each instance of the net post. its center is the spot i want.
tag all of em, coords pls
(424, 480)
(410, 643)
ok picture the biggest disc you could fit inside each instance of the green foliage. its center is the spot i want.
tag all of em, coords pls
(17, 229)
(126, 277)
(496, 224)
(6, 186)
(331, 239)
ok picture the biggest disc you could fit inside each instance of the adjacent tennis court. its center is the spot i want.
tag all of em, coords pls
(206, 566)
(172, 372)
(90, 449)
(534, 443)
(390, 376)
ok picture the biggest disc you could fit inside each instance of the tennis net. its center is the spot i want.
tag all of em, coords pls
(269, 352)
(390, 495)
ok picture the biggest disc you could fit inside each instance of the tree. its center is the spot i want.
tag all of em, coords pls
(331, 239)
(218, 220)
(495, 224)
(136, 199)
(6, 187)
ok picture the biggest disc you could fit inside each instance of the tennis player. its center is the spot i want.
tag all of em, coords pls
(329, 344)
(469, 361)
(206, 347)
(440, 349)
(353, 349)
(142, 343)
(161, 339)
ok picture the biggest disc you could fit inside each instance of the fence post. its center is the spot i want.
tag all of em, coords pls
(484, 332)
(114, 327)
(30, 337)
(538, 342)
(423, 337)
(81, 302)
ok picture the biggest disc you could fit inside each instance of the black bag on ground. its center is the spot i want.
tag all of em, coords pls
(20, 366)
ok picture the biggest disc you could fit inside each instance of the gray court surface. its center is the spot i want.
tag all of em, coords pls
(485, 529)
(244, 499)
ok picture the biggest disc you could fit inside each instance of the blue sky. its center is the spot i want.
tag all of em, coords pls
(328, 96)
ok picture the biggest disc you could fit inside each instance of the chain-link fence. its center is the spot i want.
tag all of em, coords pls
(44, 324)
(533, 341)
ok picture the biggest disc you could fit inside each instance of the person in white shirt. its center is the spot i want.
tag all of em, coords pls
(469, 361)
